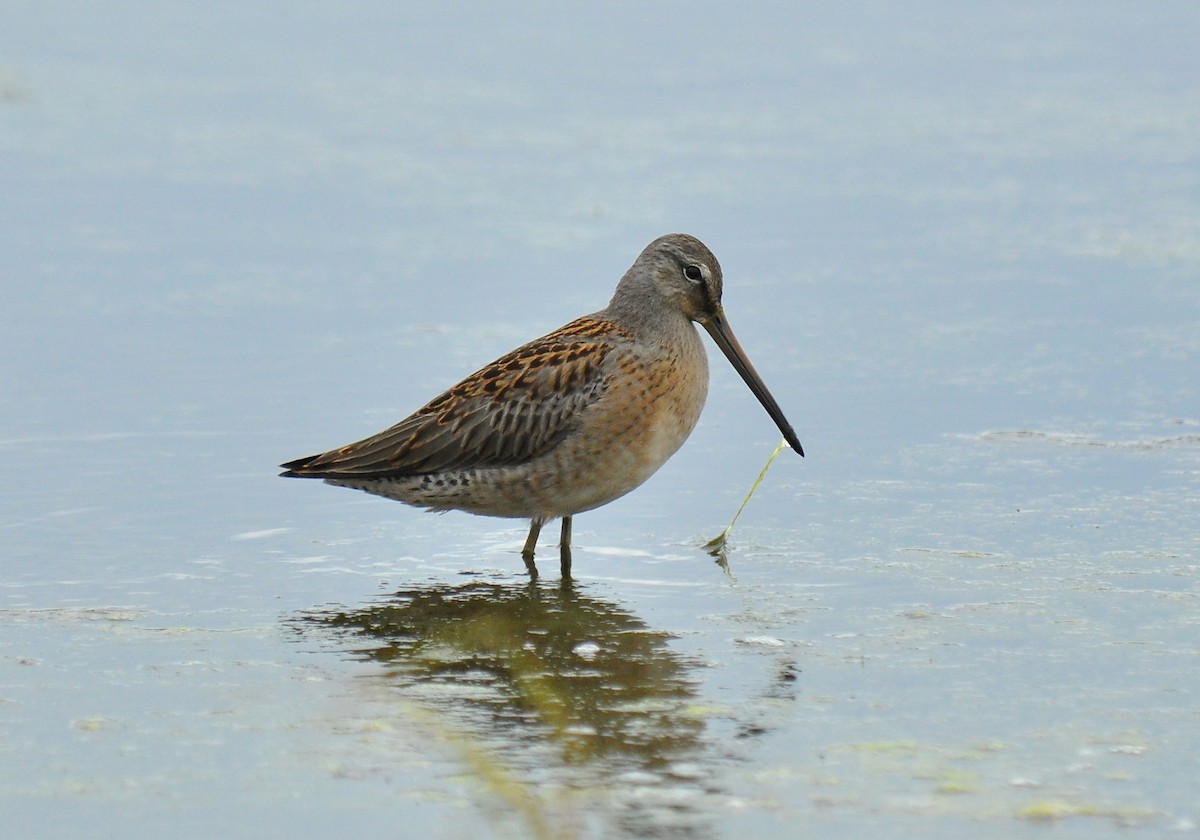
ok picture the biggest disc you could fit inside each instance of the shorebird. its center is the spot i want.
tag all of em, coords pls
(569, 421)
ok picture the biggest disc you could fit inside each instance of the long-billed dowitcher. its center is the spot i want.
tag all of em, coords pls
(570, 421)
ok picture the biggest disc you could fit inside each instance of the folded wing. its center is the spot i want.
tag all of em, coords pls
(511, 411)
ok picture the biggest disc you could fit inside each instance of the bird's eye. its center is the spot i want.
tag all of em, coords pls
(693, 273)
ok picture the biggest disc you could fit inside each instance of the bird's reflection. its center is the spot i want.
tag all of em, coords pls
(526, 667)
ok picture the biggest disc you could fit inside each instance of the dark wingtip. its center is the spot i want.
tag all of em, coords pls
(296, 469)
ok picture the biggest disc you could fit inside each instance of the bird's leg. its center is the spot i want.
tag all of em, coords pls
(535, 528)
(564, 548)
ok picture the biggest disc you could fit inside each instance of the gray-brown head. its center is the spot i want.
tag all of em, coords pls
(678, 274)
(675, 272)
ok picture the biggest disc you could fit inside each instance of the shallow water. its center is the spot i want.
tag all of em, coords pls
(961, 248)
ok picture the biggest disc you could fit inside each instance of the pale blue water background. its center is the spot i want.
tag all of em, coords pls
(961, 244)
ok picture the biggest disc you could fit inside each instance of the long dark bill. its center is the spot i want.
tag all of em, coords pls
(719, 329)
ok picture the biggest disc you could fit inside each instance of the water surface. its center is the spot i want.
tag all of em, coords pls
(959, 244)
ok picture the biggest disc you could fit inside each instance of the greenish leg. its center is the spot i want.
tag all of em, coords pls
(535, 528)
(564, 548)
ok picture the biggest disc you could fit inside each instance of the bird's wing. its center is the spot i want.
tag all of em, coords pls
(511, 411)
